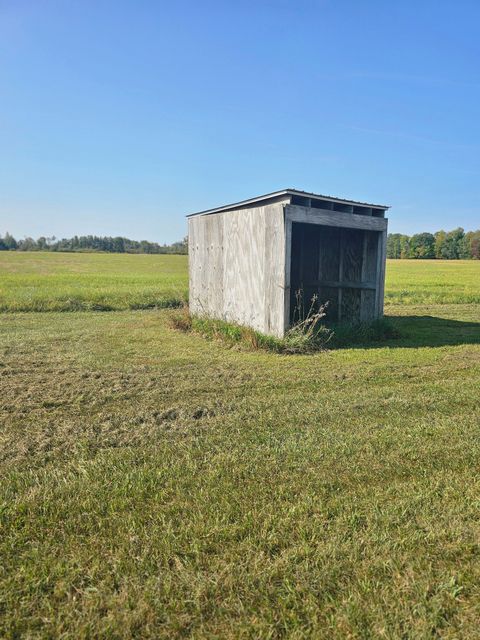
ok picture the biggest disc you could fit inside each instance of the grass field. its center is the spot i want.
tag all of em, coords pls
(104, 282)
(35, 281)
(154, 484)
(432, 282)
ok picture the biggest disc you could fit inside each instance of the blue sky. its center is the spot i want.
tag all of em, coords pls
(118, 117)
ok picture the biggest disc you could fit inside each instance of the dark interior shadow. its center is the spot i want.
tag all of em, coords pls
(425, 331)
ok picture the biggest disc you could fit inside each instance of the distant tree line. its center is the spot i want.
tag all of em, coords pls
(444, 245)
(90, 243)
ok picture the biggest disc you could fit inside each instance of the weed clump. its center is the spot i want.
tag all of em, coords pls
(306, 334)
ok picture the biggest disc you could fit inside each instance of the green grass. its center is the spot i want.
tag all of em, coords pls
(34, 281)
(154, 484)
(432, 282)
(299, 339)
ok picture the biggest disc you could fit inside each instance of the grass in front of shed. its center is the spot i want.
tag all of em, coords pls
(305, 336)
(157, 485)
(301, 338)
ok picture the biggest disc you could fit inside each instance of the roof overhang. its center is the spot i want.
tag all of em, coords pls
(286, 193)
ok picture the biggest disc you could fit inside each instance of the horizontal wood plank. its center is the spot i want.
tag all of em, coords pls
(344, 283)
(309, 215)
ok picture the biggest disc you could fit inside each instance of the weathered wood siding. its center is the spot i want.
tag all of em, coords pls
(245, 264)
(236, 267)
(296, 213)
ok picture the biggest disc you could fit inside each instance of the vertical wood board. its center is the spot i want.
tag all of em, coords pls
(236, 267)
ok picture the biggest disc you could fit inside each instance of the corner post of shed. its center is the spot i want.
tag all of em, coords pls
(287, 268)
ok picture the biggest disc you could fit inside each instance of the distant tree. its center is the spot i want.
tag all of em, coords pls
(27, 244)
(440, 238)
(454, 244)
(404, 246)
(393, 245)
(10, 243)
(473, 239)
(145, 247)
(42, 244)
(118, 245)
(179, 247)
(463, 248)
(422, 245)
(3, 246)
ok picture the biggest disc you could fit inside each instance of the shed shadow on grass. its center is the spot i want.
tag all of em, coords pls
(425, 331)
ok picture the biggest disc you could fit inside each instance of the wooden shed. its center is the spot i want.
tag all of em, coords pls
(247, 260)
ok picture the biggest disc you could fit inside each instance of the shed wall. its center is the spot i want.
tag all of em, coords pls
(236, 267)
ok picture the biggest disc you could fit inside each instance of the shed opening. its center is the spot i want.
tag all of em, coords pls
(339, 267)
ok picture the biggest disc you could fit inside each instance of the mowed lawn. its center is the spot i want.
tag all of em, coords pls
(154, 484)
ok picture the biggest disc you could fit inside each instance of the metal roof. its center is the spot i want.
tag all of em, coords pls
(287, 192)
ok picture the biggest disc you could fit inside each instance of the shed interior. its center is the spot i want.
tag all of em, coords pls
(337, 265)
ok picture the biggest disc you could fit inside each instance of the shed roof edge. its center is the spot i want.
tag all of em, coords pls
(286, 192)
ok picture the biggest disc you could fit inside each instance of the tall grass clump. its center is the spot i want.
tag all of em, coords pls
(306, 334)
